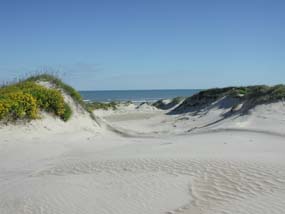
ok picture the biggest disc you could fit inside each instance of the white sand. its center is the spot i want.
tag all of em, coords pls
(231, 167)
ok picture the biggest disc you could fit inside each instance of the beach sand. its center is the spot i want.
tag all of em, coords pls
(161, 163)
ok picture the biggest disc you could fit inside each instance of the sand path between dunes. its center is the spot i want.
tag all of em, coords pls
(224, 172)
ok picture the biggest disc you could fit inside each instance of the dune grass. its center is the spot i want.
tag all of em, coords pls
(99, 105)
(258, 93)
(253, 95)
(265, 94)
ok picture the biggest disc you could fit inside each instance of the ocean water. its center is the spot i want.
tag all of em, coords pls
(135, 95)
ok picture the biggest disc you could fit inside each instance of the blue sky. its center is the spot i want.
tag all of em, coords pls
(145, 44)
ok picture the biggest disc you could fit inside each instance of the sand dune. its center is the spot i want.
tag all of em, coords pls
(191, 163)
(268, 118)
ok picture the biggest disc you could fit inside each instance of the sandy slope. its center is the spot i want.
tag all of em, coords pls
(269, 118)
(237, 168)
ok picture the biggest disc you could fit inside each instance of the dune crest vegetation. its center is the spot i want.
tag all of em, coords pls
(251, 95)
(25, 99)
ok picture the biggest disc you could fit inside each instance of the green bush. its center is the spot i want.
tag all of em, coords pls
(67, 113)
(18, 105)
(23, 100)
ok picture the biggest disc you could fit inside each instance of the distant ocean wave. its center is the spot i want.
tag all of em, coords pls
(137, 96)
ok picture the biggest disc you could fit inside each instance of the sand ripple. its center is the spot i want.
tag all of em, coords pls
(203, 186)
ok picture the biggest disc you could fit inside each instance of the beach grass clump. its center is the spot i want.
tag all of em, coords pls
(236, 92)
(24, 100)
(264, 94)
(99, 105)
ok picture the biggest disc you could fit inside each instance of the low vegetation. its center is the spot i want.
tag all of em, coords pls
(25, 99)
(265, 94)
(257, 94)
(253, 95)
(99, 105)
(75, 95)
(59, 84)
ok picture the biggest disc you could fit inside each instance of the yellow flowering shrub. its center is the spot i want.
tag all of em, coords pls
(4, 109)
(18, 105)
(24, 100)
